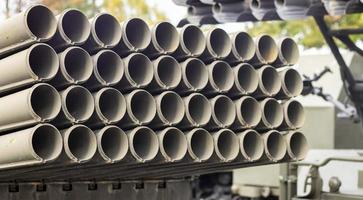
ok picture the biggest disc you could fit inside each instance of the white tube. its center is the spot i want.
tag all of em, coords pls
(112, 143)
(288, 53)
(38, 63)
(40, 103)
(245, 80)
(226, 145)
(297, 145)
(136, 37)
(170, 110)
(243, 48)
(294, 115)
(269, 82)
(75, 67)
(266, 51)
(144, 144)
(191, 43)
(220, 76)
(248, 113)
(173, 144)
(291, 84)
(37, 145)
(272, 114)
(73, 29)
(251, 145)
(194, 76)
(200, 144)
(223, 112)
(218, 45)
(275, 145)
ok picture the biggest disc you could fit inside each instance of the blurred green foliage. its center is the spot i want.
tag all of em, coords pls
(306, 32)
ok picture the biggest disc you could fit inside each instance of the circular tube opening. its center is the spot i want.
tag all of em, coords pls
(298, 146)
(46, 142)
(224, 111)
(267, 48)
(168, 72)
(201, 145)
(249, 111)
(111, 104)
(193, 39)
(43, 61)
(220, 43)
(82, 143)
(45, 101)
(78, 65)
(244, 46)
(107, 29)
(174, 144)
(171, 108)
(272, 113)
(275, 146)
(109, 67)
(167, 37)
(137, 33)
(221, 76)
(247, 78)
(251, 145)
(279, 3)
(41, 22)
(139, 69)
(293, 82)
(79, 104)
(295, 114)
(270, 81)
(195, 74)
(142, 106)
(227, 146)
(290, 51)
(75, 26)
(144, 144)
(199, 110)
(114, 144)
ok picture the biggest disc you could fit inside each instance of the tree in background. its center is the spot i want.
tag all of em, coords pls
(306, 32)
(121, 9)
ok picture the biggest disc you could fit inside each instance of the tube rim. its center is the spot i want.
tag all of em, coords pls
(238, 85)
(120, 65)
(157, 77)
(161, 136)
(131, 135)
(210, 142)
(188, 115)
(259, 148)
(129, 107)
(235, 146)
(182, 43)
(160, 113)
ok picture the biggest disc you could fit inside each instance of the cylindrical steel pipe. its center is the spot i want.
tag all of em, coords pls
(112, 144)
(223, 113)
(108, 70)
(173, 144)
(245, 80)
(226, 145)
(294, 115)
(269, 82)
(191, 43)
(266, 51)
(274, 145)
(136, 37)
(243, 48)
(170, 110)
(110, 107)
(138, 72)
(143, 143)
(105, 33)
(73, 29)
(221, 78)
(218, 45)
(140, 109)
(35, 24)
(75, 67)
(248, 113)
(164, 40)
(200, 145)
(37, 145)
(297, 145)
(77, 106)
(40, 103)
(272, 114)
(167, 74)
(38, 63)
(194, 76)
(291, 84)
(198, 111)
(288, 53)
(251, 145)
